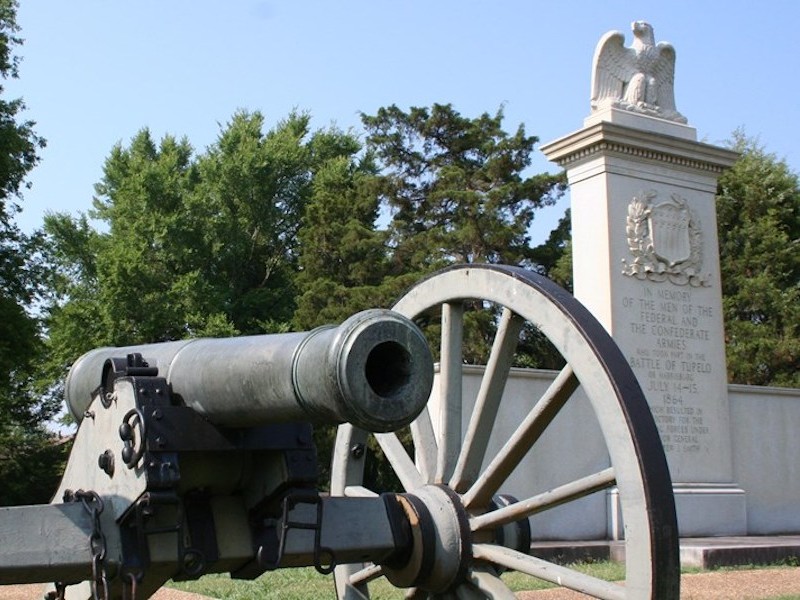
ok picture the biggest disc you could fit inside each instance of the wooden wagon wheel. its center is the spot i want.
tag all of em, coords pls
(450, 484)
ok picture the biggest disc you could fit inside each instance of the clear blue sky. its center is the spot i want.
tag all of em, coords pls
(96, 71)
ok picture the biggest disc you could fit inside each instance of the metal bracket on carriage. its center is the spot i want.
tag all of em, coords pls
(322, 531)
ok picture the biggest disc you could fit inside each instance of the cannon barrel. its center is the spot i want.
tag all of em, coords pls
(375, 371)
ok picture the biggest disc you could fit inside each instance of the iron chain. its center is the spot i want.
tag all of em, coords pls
(129, 585)
(59, 593)
(93, 504)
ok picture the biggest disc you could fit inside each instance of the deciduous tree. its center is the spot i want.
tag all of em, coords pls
(26, 452)
(189, 245)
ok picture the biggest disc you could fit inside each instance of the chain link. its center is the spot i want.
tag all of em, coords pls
(59, 593)
(130, 584)
(93, 504)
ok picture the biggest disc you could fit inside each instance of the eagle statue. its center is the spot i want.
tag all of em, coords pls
(639, 78)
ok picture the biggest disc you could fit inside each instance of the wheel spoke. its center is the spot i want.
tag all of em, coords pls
(351, 593)
(345, 471)
(344, 589)
(488, 401)
(365, 575)
(467, 591)
(536, 567)
(522, 439)
(466, 452)
(401, 462)
(535, 504)
(491, 586)
(425, 447)
(450, 373)
(359, 491)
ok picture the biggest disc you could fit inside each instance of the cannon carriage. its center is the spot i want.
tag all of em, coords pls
(197, 457)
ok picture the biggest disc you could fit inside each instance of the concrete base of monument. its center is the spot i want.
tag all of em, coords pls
(701, 552)
(710, 509)
(704, 509)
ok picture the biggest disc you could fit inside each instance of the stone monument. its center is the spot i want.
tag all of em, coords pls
(646, 263)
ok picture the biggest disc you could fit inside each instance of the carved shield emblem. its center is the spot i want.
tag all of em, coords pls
(669, 231)
(665, 241)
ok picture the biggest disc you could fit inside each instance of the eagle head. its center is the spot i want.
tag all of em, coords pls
(644, 31)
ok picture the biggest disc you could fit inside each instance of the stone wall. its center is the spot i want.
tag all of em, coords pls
(765, 436)
(570, 448)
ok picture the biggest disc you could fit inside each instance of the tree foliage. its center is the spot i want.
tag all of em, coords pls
(458, 191)
(450, 188)
(758, 212)
(342, 253)
(553, 258)
(142, 260)
(456, 186)
(252, 195)
(26, 451)
(189, 245)
(208, 245)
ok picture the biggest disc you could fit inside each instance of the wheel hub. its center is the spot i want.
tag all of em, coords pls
(442, 541)
(515, 535)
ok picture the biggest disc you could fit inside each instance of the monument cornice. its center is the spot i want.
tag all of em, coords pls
(611, 139)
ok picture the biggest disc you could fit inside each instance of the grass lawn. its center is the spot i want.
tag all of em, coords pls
(302, 584)
(305, 583)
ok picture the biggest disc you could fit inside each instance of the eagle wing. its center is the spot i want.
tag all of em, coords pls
(665, 76)
(612, 67)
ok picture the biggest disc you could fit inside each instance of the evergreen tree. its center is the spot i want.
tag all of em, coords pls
(457, 191)
(456, 186)
(343, 255)
(553, 258)
(758, 212)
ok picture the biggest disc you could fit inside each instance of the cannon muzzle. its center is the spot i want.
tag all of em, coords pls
(375, 371)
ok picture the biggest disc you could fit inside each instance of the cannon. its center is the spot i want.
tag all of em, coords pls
(197, 457)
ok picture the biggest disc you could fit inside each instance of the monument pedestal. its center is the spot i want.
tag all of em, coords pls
(703, 509)
(646, 264)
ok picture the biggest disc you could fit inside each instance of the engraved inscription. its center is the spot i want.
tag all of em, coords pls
(669, 359)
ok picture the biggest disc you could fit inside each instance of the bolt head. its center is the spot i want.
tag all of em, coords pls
(357, 451)
(106, 462)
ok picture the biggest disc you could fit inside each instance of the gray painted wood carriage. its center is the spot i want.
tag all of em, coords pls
(197, 457)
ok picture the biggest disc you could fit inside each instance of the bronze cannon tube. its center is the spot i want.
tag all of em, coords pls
(375, 371)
